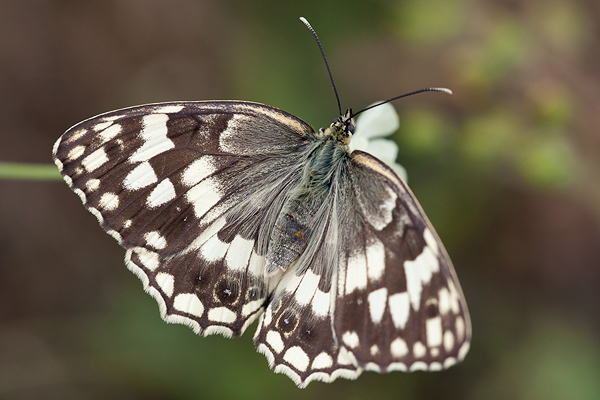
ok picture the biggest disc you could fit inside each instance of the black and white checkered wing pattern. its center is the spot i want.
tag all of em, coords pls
(399, 304)
(191, 191)
(229, 208)
(296, 332)
(374, 289)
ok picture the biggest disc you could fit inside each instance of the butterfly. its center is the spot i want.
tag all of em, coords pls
(234, 211)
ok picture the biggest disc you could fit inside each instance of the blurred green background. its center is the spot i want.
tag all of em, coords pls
(507, 169)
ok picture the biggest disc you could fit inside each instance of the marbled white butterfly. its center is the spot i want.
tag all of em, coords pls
(232, 211)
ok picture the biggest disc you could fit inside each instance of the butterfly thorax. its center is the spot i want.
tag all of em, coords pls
(341, 129)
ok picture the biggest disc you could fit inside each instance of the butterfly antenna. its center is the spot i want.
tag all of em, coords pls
(310, 28)
(432, 89)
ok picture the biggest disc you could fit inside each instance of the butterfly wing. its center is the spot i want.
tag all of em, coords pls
(192, 191)
(378, 291)
(296, 332)
(399, 304)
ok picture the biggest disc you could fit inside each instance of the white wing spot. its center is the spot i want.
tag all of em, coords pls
(141, 176)
(166, 282)
(399, 304)
(374, 350)
(274, 340)
(214, 249)
(188, 303)
(257, 264)
(419, 272)
(229, 138)
(371, 366)
(433, 327)
(74, 136)
(204, 196)
(94, 211)
(435, 366)
(154, 134)
(94, 160)
(322, 361)
(351, 339)
(155, 239)
(444, 301)
(320, 303)
(308, 285)
(101, 126)
(148, 259)
(251, 307)
(208, 232)
(464, 349)
(431, 242)
(297, 358)
(345, 357)
(198, 170)
(419, 350)
(356, 274)
(239, 253)
(375, 260)
(116, 235)
(109, 132)
(267, 316)
(168, 109)
(222, 314)
(162, 193)
(291, 281)
(450, 361)
(127, 224)
(109, 201)
(218, 330)
(419, 366)
(92, 185)
(377, 300)
(75, 153)
(448, 341)
(454, 298)
(83, 198)
(398, 348)
(397, 366)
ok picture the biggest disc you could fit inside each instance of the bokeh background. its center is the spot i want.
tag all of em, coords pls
(508, 170)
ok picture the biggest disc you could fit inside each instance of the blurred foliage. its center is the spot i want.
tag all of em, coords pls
(417, 22)
(506, 168)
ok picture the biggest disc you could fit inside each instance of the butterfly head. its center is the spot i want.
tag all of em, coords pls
(341, 129)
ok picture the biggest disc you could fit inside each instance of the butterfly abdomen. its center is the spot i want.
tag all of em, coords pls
(295, 225)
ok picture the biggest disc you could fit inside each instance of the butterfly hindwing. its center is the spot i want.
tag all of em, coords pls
(399, 304)
(296, 331)
(191, 190)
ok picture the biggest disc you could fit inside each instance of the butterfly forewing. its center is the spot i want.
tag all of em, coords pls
(191, 190)
(229, 208)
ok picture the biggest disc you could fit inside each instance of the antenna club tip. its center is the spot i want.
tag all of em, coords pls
(305, 22)
(444, 90)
